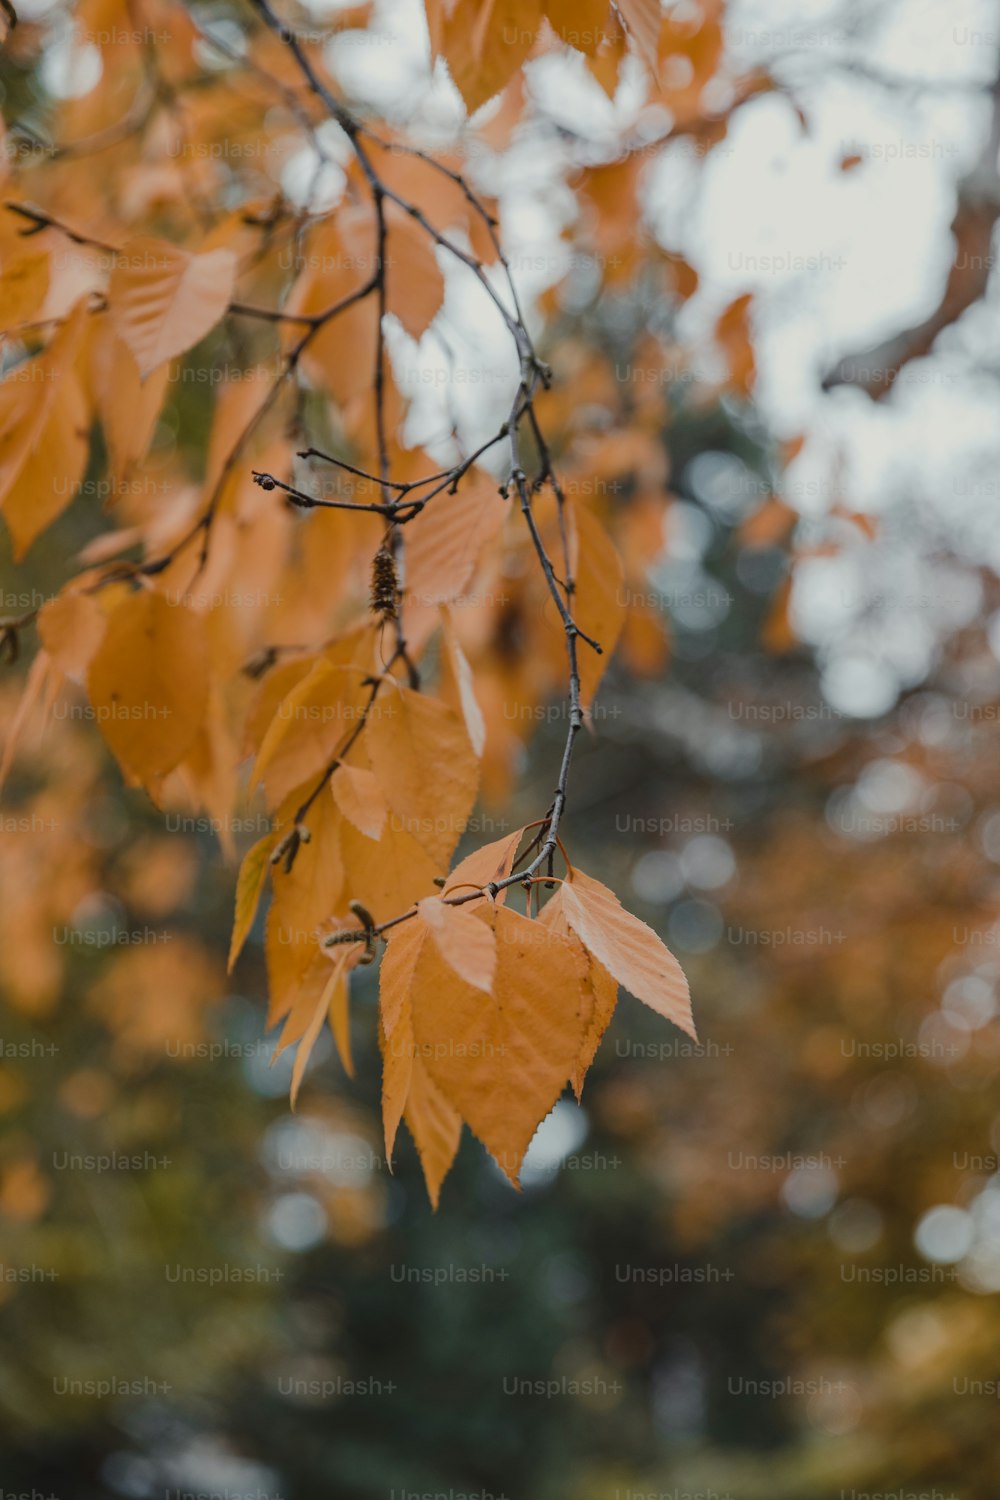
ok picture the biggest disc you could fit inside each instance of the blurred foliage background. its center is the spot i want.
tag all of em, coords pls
(762, 1267)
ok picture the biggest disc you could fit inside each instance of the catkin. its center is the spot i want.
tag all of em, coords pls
(385, 585)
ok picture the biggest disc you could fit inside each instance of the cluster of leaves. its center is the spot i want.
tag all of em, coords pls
(291, 595)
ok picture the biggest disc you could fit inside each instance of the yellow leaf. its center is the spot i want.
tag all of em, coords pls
(598, 996)
(598, 603)
(601, 999)
(302, 899)
(409, 1092)
(436, 1127)
(319, 713)
(387, 877)
(71, 627)
(399, 962)
(458, 663)
(23, 286)
(341, 260)
(163, 300)
(338, 995)
(427, 769)
(583, 24)
(444, 542)
(128, 407)
(643, 20)
(343, 961)
(503, 1060)
(467, 945)
(485, 42)
(628, 949)
(733, 334)
(44, 436)
(415, 285)
(148, 683)
(492, 862)
(397, 1073)
(357, 794)
(249, 885)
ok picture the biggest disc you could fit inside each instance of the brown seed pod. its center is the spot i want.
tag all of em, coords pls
(385, 585)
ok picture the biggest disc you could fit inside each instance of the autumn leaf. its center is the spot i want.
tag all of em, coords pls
(71, 628)
(319, 713)
(249, 886)
(409, 1092)
(128, 407)
(732, 332)
(492, 862)
(415, 280)
(44, 436)
(465, 688)
(436, 1127)
(467, 945)
(503, 1060)
(387, 877)
(445, 541)
(484, 43)
(356, 793)
(583, 24)
(643, 20)
(403, 949)
(163, 300)
(303, 898)
(598, 994)
(627, 948)
(24, 282)
(425, 766)
(148, 683)
(332, 1000)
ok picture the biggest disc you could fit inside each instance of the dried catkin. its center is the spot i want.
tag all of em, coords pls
(385, 585)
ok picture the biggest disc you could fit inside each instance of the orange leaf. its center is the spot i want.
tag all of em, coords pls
(23, 286)
(425, 766)
(249, 885)
(44, 436)
(387, 877)
(397, 1075)
(503, 1060)
(444, 542)
(415, 285)
(583, 24)
(148, 683)
(492, 862)
(627, 948)
(485, 42)
(301, 901)
(436, 1127)
(599, 995)
(71, 627)
(312, 720)
(643, 20)
(128, 407)
(732, 332)
(164, 300)
(466, 944)
(345, 958)
(409, 1092)
(399, 962)
(458, 664)
(357, 794)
